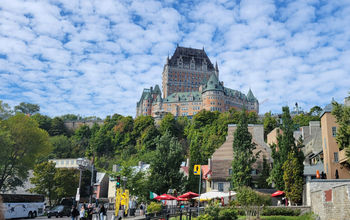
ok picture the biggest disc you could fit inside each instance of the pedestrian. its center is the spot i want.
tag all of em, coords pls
(142, 209)
(74, 213)
(82, 213)
(102, 212)
(90, 211)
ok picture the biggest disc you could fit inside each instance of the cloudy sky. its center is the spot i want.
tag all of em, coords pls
(95, 57)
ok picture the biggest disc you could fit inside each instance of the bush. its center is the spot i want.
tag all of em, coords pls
(268, 211)
(154, 207)
(205, 217)
(227, 214)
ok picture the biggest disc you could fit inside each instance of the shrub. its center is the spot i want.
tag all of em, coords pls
(268, 211)
(227, 214)
(154, 207)
(205, 217)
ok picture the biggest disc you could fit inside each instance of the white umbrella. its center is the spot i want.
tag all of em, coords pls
(214, 194)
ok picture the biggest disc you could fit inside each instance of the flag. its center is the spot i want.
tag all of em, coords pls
(152, 195)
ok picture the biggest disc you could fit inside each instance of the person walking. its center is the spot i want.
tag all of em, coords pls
(82, 213)
(142, 209)
(102, 212)
(74, 213)
(90, 211)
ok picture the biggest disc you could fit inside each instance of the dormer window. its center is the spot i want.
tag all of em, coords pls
(180, 62)
(204, 65)
(192, 64)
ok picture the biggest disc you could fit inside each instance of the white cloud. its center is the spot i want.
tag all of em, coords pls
(95, 57)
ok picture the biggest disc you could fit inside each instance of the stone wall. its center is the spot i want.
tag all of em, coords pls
(332, 203)
(73, 125)
(320, 184)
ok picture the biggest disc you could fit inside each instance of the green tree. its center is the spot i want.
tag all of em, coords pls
(67, 182)
(70, 117)
(43, 180)
(81, 140)
(5, 110)
(315, 111)
(27, 108)
(270, 123)
(165, 167)
(252, 201)
(43, 121)
(285, 145)
(342, 115)
(57, 127)
(22, 141)
(293, 178)
(62, 147)
(264, 175)
(243, 156)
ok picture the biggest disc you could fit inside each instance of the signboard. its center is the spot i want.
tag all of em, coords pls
(197, 170)
(77, 196)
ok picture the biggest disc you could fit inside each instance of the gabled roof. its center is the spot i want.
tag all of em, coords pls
(187, 54)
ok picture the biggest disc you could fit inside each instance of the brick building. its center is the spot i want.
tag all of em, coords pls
(190, 83)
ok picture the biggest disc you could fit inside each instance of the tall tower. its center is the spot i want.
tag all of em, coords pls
(186, 70)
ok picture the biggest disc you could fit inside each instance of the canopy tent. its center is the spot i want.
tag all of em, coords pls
(189, 195)
(277, 193)
(165, 197)
(214, 194)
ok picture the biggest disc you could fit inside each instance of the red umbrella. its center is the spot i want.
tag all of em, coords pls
(181, 199)
(189, 195)
(165, 197)
(277, 193)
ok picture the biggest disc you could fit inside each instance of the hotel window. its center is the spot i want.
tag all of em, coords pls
(334, 131)
(336, 157)
(220, 187)
(230, 172)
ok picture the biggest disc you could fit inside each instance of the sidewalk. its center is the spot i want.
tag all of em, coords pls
(110, 214)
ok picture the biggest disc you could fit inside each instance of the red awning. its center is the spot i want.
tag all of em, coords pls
(165, 197)
(189, 195)
(277, 193)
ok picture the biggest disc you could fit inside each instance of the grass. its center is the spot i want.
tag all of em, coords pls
(307, 216)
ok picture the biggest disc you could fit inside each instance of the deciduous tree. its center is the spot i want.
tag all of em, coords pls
(293, 178)
(22, 141)
(44, 180)
(27, 108)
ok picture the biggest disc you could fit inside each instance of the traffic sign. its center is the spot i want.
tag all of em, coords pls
(197, 170)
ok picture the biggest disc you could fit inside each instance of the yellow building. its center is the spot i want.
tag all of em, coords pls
(335, 161)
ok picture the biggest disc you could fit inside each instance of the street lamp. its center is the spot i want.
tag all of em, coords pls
(82, 164)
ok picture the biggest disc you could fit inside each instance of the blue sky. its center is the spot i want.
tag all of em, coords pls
(95, 57)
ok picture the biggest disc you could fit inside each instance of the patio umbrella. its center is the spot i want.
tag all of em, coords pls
(277, 193)
(165, 197)
(189, 195)
(181, 199)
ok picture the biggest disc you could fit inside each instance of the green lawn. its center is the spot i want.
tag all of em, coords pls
(302, 217)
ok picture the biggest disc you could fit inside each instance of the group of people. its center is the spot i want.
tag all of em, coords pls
(86, 213)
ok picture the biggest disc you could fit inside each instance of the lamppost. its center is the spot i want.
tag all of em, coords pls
(82, 164)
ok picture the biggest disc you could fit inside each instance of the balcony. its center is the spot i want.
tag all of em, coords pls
(342, 156)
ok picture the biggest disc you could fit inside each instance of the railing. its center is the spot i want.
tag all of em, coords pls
(184, 213)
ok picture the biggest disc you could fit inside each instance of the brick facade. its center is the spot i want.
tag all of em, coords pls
(191, 83)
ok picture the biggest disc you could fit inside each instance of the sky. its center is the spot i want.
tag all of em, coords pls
(91, 57)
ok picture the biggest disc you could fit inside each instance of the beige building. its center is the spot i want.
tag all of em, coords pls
(221, 161)
(335, 160)
(191, 84)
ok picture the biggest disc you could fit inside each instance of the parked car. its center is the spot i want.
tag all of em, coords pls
(59, 211)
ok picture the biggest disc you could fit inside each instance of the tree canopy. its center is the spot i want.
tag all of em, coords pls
(22, 141)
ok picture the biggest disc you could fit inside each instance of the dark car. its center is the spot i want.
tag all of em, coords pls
(59, 211)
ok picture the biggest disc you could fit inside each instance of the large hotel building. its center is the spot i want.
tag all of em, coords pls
(191, 83)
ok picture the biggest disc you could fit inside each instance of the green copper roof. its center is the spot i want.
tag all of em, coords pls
(184, 97)
(213, 84)
(250, 96)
